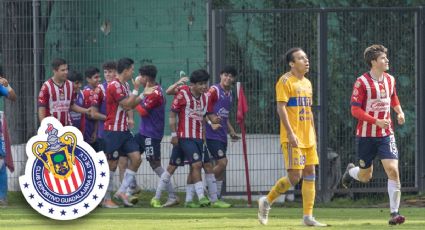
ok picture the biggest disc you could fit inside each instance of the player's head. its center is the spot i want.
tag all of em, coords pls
(92, 75)
(199, 81)
(147, 73)
(125, 68)
(76, 78)
(227, 76)
(60, 69)
(297, 60)
(109, 70)
(375, 57)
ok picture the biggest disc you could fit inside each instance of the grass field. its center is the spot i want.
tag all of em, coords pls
(18, 215)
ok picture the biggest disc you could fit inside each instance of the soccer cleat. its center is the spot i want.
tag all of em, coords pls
(133, 199)
(108, 203)
(171, 202)
(191, 204)
(396, 218)
(263, 210)
(123, 198)
(204, 202)
(346, 178)
(155, 203)
(220, 204)
(134, 191)
(310, 221)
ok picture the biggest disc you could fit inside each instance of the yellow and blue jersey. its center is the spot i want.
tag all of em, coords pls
(298, 95)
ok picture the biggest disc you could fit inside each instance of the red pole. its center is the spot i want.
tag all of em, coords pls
(245, 156)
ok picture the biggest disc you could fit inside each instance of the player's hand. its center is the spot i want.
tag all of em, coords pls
(174, 141)
(148, 90)
(88, 113)
(234, 137)
(215, 119)
(400, 118)
(382, 123)
(136, 83)
(4, 82)
(182, 81)
(293, 140)
(131, 124)
(215, 126)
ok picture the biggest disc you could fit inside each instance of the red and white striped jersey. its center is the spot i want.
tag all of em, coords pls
(116, 116)
(65, 186)
(57, 100)
(191, 112)
(375, 98)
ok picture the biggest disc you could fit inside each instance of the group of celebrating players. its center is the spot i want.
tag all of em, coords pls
(199, 127)
(104, 114)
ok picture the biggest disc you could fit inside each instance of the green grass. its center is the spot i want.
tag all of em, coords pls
(18, 215)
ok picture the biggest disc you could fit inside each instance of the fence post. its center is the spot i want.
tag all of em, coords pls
(218, 40)
(323, 193)
(420, 99)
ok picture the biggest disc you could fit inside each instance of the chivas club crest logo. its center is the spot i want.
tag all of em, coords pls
(64, 177)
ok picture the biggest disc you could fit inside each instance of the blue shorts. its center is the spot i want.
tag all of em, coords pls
(177, 156)
(217, 148)
(193, 149)
(98, 145)
(119, 142)
(150, 146)
(368, 148)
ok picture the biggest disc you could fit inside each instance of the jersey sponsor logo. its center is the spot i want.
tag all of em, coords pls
(223, 112)
(355, 92)
(379, 106)
(357, 84)
(64, 177)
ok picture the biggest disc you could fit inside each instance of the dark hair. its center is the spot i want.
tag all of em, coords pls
(75, 76)
(230, 70)
(91, 71)
(58, 62)
(110, 65)
(148, 70)
(1, 71)
(372, 52)
(289, 55)
(199, 75)
(123, 64)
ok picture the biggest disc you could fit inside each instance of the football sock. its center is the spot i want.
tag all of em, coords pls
(281, 186)
(159, 171)
(163, 183)
(219, 187)
(308, 192)
(212, 186)
(394, 194)
(190, 188)
(354, 172)
(110, 185)
(199, 188)
(129, 176)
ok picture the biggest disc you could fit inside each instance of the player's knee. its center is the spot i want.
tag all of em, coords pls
(196, 166)
(208, 167)
(223, 162)
(392, 173)
(294, 176)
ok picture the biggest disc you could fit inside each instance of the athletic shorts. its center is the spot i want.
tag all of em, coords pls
(177, 156)
(193, 149)
(119, 142)
(298, 158)
(150, 146)
(368, 148)
(98, 145)
(217, 149)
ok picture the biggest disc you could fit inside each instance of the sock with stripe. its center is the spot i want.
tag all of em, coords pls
(308, 192)
(162, 184)
(129, 176)
(212, 186)
(281, 186)
(110, 185)
(199, 188)
(190, 189)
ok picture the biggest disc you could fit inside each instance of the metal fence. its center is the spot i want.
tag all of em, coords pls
(188, 34)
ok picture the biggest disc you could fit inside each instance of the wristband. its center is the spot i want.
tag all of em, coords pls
(9, 88)
(142, 96)
(209, 122)
(173, 134)
(135, 92)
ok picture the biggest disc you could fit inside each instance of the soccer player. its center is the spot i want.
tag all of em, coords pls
(89, 95)
(219, 106)
(294, 96)
(7, 92)
(77, 119)
(190, 106)
(57, 95)
(374, 93)
(151, 130)
(117, 135)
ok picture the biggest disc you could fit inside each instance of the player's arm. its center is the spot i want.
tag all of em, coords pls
(43, 98)
(283, 116)
(173, 89)
(172, 119)
(232, 132)
(155, 99)
(8, 92)
(41, 113)
(79, 109)
(95, 114)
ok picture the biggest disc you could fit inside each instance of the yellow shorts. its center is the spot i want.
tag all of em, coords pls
(298, 158)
